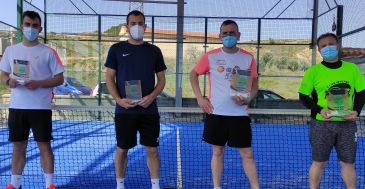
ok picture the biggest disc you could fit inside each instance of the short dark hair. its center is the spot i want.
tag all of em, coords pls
(136, 13)
(327, 35)
(32, 15)
(228, 22)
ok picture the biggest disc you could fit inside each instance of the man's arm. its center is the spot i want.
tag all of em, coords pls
(161, 81)
(33, 84)
(47, 83)
(112, 88)
(202, 101)
(5, 77)
(254, 89)
(359, 102)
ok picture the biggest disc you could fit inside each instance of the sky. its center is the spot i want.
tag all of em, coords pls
(8, 10)
(354, 16)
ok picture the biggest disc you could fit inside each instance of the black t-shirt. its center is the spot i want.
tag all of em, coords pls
(135, 62)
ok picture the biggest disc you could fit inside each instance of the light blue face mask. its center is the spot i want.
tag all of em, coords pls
(229, 41)
(30, 33)
(329, 53)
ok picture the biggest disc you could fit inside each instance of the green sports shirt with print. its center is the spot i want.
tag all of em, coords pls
(334, 87)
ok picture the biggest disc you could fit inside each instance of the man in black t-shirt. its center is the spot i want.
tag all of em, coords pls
(131, 67)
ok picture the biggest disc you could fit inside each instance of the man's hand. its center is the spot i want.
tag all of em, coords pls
(205, 105)
(126, 103)
(146, 101)
(32, 84)
(325, 114)
(350, 116)
(240, 100)
(13, 83)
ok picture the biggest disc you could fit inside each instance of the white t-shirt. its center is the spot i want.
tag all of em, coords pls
(220, 66)
(37, 63)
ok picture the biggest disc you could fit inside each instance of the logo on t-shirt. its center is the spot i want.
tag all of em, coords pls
(220, 62)
(338, 96)
(220, 69)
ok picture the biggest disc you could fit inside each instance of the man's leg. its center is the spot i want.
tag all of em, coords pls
(348, 175)
(315, 173)
(217, 164)
(346, 152)
(120, 163)
(47, 157)
(47, 161)
(18, 135)
(249, 166)
(322, 137)
(153, 162)
(18, 162)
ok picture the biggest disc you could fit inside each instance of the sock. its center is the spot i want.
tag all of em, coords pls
(120, 183)
(49, 179)
(155, 183)
(16, 180)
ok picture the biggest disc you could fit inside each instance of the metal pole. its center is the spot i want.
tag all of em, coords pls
(179, 52)
(45, 21)
(99, 55)
(19, 9)
(314, 32)
(339, 23)
(258, 45)
(153, 30)
(205, 51)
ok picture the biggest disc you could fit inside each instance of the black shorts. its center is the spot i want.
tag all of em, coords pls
(22, 120)
(236, 130)
(127, 125)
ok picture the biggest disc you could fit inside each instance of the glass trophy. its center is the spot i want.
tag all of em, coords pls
(241, 83)
(20, 71)
(338, 102)
(133, 90)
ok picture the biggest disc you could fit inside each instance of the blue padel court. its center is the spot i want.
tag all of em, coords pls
(84, 153)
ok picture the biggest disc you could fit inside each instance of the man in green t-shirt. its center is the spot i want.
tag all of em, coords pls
(334, 90)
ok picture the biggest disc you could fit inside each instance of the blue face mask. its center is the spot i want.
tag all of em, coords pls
(229, 41)
(30, 33)
(329, 53)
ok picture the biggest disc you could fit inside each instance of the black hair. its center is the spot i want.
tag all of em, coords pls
(136, 13)
(327, 35)
(228, 22)
(32, 15)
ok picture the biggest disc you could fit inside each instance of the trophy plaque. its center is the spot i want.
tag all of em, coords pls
(338, 102)
(241, 83)
(20, 71)
(133, 90)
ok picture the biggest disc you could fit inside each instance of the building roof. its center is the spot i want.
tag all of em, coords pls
(348, 52)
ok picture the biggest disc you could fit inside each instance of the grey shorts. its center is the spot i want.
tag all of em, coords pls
(324, 135)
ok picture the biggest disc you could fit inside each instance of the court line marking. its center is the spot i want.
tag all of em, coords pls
(178, 159)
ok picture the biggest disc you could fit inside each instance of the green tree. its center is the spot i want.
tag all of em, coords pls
(293, 65)
(266, 60)
(281, 63)
(304, 65)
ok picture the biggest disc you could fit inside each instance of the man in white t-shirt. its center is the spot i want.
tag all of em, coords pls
(31, 70)
(233, 84)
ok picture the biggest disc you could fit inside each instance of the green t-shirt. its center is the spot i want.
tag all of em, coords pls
(335, 87)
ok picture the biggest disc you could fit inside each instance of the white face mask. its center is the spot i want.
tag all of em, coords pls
(136, 32)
